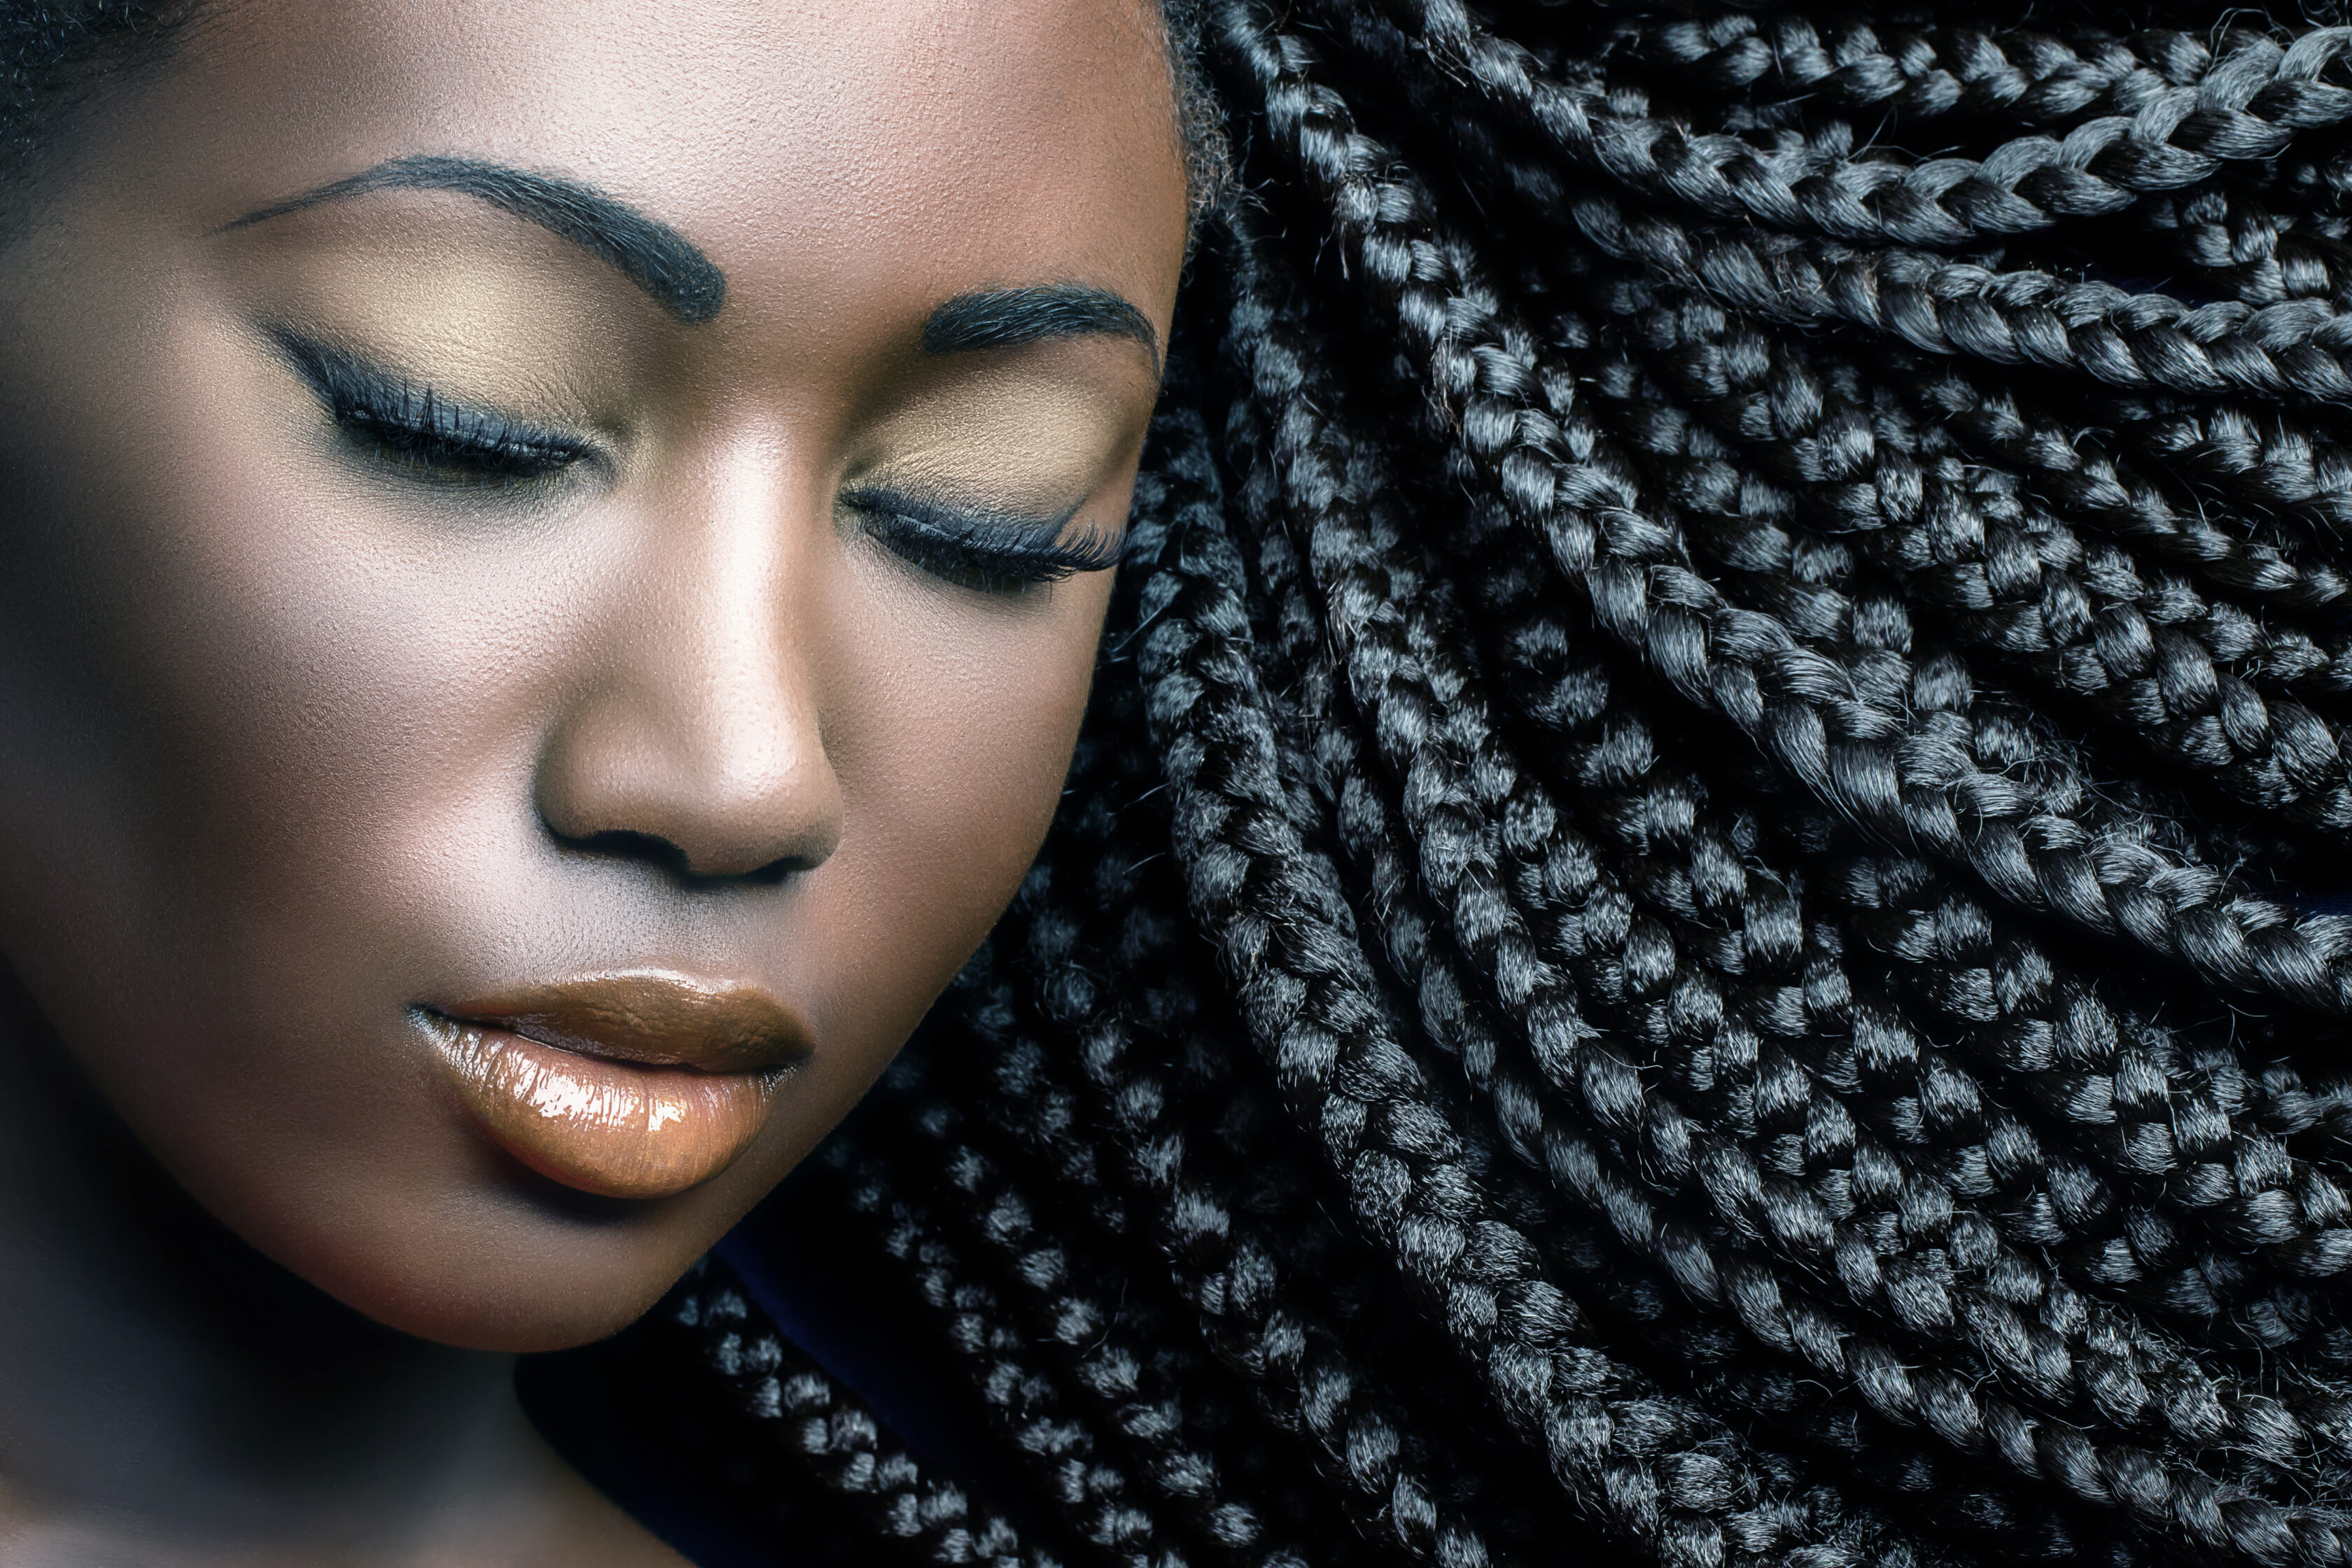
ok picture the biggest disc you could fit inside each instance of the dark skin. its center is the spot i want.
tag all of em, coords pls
(305, 731)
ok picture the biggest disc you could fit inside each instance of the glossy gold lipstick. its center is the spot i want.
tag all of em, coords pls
(638, 1084)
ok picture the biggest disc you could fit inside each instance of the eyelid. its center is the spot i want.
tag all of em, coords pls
(349, 383)
(952, 517)
(1030, 547)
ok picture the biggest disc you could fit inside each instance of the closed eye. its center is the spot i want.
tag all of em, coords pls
(420, 435)
(989, 552)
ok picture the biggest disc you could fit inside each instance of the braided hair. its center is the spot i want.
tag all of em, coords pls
(1693, 923)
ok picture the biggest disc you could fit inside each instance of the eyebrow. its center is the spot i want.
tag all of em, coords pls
(1009, 318)
(648, 252)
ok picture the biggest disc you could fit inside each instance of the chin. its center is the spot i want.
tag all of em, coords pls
(511, 1313)
(556, 1268)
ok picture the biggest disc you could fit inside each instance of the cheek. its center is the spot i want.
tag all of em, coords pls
(278, 708)
(952, 743)
(244, 647)
(250, 734)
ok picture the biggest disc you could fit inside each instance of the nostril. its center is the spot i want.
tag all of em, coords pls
(646, 849)
(650, 850)
(700, 782)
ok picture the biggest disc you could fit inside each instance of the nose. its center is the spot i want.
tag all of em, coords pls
(695, 740)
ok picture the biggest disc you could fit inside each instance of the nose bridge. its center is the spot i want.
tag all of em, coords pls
(704, 728)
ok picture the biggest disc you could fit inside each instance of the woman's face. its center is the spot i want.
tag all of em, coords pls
(499, 753)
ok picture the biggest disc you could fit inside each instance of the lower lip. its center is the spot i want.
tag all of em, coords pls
(620, 1130)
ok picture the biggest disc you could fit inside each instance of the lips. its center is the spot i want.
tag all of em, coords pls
(634, 1085)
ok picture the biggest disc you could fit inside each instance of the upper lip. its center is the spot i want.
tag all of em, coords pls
(650, 1016)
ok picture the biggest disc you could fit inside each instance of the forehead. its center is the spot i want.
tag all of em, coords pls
(910, 146)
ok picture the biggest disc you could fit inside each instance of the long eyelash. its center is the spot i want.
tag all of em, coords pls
(416, 429)
(996, 554)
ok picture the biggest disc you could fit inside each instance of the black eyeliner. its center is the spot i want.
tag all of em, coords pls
(412, 424)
